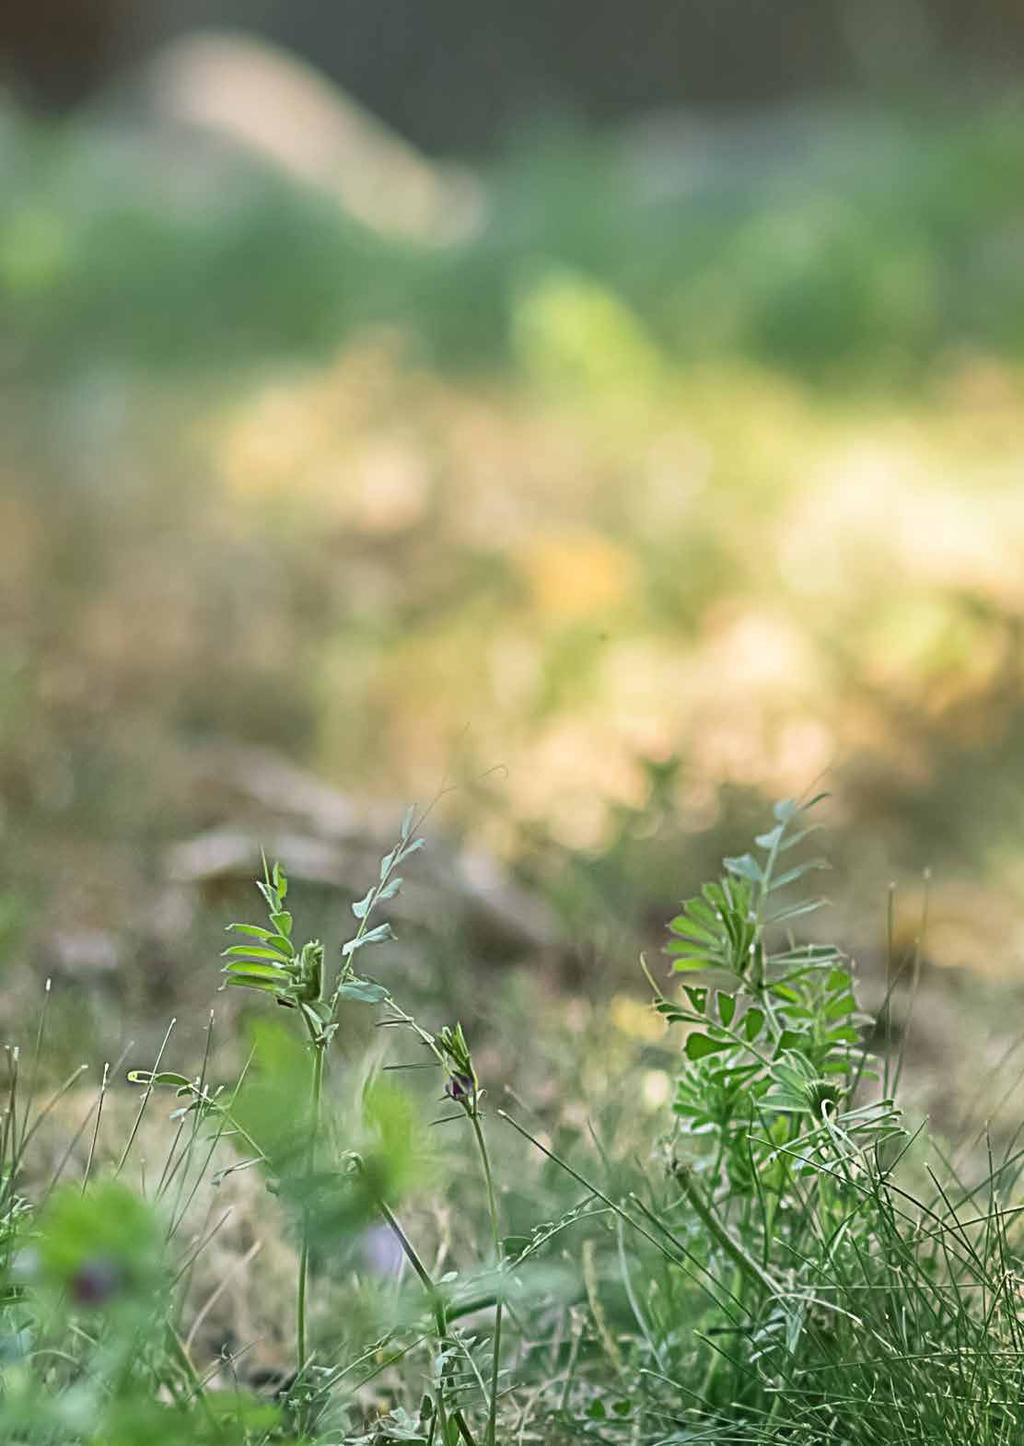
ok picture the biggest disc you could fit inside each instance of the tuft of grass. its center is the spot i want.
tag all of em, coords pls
(783, 1260)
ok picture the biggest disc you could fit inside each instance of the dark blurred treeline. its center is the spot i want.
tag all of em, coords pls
(462, 74)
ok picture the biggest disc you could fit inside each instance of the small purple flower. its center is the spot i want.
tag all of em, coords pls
(381, 1251)
(96, 1281)
(460, 1087)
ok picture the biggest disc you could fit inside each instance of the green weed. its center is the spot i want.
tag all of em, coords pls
(787, 1261)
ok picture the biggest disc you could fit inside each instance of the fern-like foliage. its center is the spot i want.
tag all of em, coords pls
(774, 1030)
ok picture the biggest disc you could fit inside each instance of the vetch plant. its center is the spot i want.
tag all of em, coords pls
(784, 1277)
(296, 977)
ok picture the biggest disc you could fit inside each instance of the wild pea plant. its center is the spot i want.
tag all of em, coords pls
(92, 1339)
(296, 977)
(784, 1277)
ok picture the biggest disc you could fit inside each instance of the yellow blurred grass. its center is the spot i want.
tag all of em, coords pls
(867, 542)
(564, 583)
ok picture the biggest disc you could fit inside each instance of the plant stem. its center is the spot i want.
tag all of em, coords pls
(180, 1351)
(708, 1217)
(492, 1208)
(314, 1124)
(437, 1305)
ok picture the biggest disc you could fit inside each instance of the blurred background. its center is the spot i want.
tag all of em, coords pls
(608, 418)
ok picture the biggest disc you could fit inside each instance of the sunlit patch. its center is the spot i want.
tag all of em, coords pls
(576, 576)
(637, 1020)
(414, 574)
(656, 1088)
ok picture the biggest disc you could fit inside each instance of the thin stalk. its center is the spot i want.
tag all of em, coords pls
(316, 1093)
(33, 1077)
(437, 1306)
(96, 1125)
(146, 1097)
(179, 1351)
(492, 1210)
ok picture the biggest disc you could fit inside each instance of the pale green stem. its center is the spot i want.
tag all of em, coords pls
(492, 1208)
(437, 1305)
(317, 1091)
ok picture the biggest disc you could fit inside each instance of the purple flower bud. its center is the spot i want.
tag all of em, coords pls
(460, 1087)
(96, 1281)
